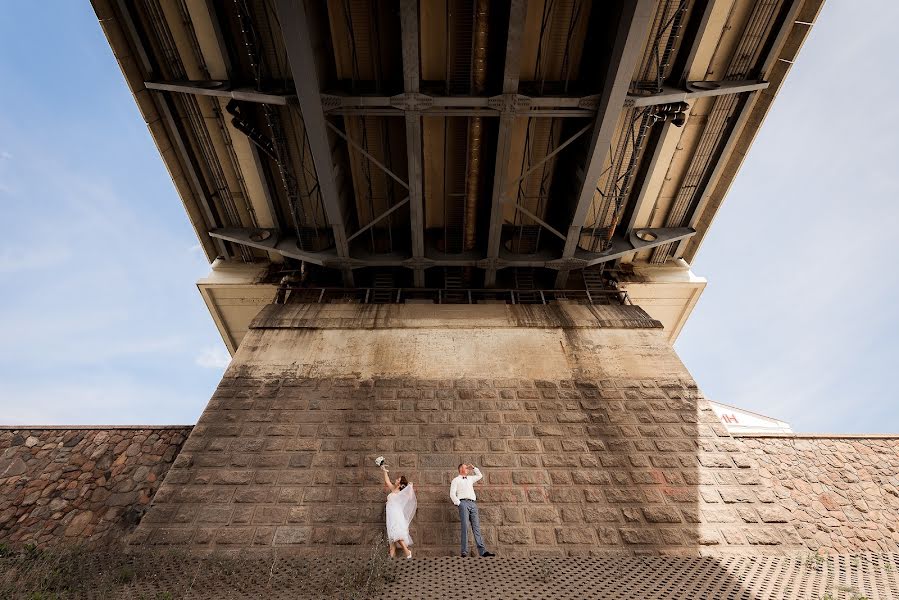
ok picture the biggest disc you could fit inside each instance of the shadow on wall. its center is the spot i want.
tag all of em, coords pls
(572, 467)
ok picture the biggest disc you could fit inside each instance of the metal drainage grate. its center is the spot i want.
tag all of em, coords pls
(730, 578)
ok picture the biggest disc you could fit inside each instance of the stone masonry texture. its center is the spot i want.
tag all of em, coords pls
(571, 467)
(60, 485)
(593, 438)
(840, 494)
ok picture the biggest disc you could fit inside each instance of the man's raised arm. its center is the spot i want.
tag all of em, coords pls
(477, 474)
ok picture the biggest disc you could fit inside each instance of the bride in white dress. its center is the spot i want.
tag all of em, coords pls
(401, 506)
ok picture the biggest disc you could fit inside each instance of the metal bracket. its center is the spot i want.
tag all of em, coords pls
(330, 102)
(492, 263)
(418, 262)
(509, 103)
(589, 102)
(412, 101)
(567, 264)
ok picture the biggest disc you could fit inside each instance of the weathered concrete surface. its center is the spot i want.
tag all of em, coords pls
(64, 485)
(840, 493)
(594, 441)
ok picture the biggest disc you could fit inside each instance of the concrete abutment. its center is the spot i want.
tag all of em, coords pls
(593, 437)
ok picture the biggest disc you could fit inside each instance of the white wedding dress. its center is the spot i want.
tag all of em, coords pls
(401, 507)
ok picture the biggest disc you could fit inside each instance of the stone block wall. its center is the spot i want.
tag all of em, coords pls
(65, 485)
(840, 493)
(592, 436)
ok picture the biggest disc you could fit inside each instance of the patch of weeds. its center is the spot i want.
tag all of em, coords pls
(544, 569)
(814, 561)
(125, 574)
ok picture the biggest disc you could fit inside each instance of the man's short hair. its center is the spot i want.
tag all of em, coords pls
(460, 466)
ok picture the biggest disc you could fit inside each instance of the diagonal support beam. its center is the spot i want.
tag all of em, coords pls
(270, 240)
(633, 30)
(377, 219)
(411, 38)
(539, 221)
(549, 156)
(219, 89)
(366, 154)
(640, 239)
(695, 90)
(511, 73)
(297, 34)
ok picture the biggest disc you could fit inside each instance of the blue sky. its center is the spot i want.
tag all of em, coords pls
(102, 322)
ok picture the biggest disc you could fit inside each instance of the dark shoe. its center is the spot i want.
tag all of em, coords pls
(486, 554)
(464, 555)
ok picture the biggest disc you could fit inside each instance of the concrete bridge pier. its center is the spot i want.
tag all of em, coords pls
(592, 435)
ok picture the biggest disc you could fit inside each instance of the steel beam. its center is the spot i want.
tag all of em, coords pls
(366, 154)
(642, 197)
(219, 89)
(539, 221)
(409, 31)
(555, 151)
(633, 30)
(377, 219)
(487, 113)
(636, 240)
(271, 240)
(297, 37)
(668, 129)
(190, 170)
(397, 106)
(695, 90)
(511, 73)
(745, 111)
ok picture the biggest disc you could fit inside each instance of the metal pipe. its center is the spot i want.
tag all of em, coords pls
(476, 124)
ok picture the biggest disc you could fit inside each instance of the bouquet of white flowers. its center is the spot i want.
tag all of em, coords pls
(381, 462)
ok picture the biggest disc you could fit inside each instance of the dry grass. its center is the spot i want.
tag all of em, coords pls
(29, 573)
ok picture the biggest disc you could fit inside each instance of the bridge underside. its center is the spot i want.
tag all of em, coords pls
(454, 143)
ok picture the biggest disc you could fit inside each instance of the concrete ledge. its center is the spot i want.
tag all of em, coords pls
(452, 316)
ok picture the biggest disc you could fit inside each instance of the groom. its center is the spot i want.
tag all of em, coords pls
(462, 495)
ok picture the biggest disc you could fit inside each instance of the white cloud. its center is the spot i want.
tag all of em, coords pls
(213, 358)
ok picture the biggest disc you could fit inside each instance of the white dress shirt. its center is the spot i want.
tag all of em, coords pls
(462, 487)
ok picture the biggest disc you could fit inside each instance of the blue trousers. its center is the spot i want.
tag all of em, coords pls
(468, 512)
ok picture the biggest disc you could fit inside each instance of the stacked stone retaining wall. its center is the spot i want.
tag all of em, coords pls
(68, 485)
(841, 493)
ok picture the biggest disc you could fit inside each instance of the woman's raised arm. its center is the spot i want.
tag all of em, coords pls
(387, 483)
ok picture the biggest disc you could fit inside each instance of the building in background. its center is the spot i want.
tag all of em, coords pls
(744, 422)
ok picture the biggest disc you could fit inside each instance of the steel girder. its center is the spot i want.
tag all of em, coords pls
(296, 33)
(411, 81)
(485, 106)
(636, 19)
(511, 70)
(272, 240)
